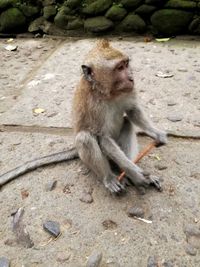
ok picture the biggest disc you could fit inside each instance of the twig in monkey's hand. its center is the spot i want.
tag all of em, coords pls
(144, 152)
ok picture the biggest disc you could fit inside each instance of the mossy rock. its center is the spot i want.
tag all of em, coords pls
(145, 10)
(12, 20)
(116, 13)
(133, 22)
(7, 3)
(73, 3)
(195, 26)
(29, 11)
(98, 24)
(36, 25)
(48, 2)
(130, 3)
(155, 2)
(182, 4)
(49, 12)
(75, 24)
(96, 7)
(170, 22)
(65, 10)
(61, 20)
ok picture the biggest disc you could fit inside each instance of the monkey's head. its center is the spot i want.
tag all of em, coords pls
(107, 70)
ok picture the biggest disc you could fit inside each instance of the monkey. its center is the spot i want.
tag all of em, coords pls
(105, 113)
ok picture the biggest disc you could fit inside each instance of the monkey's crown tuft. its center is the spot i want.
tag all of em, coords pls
(103, 43)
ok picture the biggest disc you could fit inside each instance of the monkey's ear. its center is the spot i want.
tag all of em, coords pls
(87, 72)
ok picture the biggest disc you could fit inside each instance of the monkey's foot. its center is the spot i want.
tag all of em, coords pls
(114, 186)
(154, 180)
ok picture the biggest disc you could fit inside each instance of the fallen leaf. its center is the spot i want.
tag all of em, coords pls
(11, 47)
(162, 39)
(147, 39)
(10, 40)
(24, 194)
(143, 220)
(38, 110)
(157, 157)
(164, 75)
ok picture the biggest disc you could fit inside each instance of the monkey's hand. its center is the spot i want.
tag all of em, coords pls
(160, 138)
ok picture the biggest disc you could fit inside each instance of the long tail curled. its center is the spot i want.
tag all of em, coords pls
(34, 164)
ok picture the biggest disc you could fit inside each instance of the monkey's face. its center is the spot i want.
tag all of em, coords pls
(110, 78)
(107, 70)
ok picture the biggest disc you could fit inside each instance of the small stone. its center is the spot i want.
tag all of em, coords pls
(182, 69)
(63, 257)
(136, 211)
(175, 118)
(192, 230)
(50, 185)
(4, 262)
(171, 103)
(52, 114)
(52, 227)
(160, 167)
(168, 264)
(109, 224)
(190, 250)
(86, 197)
(152, 261)
(94, 259)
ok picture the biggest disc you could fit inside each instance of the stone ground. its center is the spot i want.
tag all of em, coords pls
(42, 74)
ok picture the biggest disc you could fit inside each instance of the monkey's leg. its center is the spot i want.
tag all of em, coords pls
(92, 156)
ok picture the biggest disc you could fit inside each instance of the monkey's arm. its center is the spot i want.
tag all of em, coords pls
(39, 162)
(137, 116)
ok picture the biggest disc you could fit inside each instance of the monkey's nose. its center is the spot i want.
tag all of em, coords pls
(130, 79)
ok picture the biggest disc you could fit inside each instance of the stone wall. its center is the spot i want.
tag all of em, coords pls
(160, 17)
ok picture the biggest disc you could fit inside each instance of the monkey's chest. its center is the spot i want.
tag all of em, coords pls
(113, 122)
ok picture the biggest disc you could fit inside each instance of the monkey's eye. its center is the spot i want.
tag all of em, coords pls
(120, 67)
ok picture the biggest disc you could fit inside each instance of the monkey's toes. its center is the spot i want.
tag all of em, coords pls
(115, 186)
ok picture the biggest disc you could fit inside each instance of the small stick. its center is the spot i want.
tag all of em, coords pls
(145, 151)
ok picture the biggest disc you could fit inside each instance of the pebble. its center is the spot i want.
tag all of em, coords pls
(175, 118)
(182, 69)
(192, 230)
(152, 261)
(4, 262)
(168, 264)
(160, 167)
(50, 185)
(52, 114)
(109, 224)
(52, 227)
(86, 198)
(94, 259)
(190, 250)
(136, 211)
(171, 103)
(63, 257)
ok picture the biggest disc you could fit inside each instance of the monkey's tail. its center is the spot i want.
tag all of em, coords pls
(34, 164)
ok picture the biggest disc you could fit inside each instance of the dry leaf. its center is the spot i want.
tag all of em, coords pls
(38, 110)
(162, 39)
